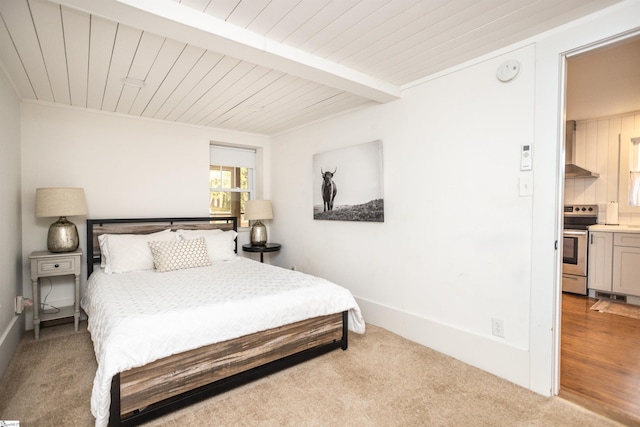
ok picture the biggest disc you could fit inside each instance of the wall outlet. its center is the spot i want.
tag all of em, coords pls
(19, 305)
(497, 327)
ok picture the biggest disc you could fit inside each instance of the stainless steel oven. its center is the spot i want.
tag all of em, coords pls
(575, 246)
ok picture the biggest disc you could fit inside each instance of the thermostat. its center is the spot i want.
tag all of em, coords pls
(525, 158)
(508, 70)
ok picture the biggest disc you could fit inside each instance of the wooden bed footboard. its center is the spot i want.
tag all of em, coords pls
(144, 393)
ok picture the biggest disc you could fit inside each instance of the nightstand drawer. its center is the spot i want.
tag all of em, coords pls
(59, 266)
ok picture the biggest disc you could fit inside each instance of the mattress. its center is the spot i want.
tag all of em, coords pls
(138, 317)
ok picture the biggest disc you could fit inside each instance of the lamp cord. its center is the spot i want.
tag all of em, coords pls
(43, 303)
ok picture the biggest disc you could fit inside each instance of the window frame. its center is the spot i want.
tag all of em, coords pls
(233, 161)
(625, 156)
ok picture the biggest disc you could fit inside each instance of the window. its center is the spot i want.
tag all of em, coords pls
(634, 172)
(231, 181)
(629, 172)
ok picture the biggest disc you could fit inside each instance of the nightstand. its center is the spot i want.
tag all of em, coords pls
(269, 247)
(48, 264)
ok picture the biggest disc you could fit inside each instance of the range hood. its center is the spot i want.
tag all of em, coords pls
(571, 169)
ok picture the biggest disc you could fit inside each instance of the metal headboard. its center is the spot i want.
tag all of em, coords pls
(97, 227)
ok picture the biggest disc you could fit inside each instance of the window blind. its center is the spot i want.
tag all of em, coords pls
(232, 156)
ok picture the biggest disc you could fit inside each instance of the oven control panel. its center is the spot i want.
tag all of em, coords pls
(581, 210)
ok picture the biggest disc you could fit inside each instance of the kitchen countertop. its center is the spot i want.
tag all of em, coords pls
(615, 228)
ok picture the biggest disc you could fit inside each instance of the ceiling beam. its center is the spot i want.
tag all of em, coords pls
(170, 19)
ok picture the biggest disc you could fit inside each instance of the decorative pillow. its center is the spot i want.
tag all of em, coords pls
(220, 244)
(169, 256)
(130, 252)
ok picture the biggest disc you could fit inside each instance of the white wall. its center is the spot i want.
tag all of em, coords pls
(455, 248)
(459, 246)
(11, 242)
(128, 167)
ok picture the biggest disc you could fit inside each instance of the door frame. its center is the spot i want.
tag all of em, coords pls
(563, 76)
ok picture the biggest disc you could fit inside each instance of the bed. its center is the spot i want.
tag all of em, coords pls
(199, 320)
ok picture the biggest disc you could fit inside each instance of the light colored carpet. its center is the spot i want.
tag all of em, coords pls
(381, 380)
(618, 308)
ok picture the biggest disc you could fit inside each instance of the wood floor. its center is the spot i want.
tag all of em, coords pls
(600, 360)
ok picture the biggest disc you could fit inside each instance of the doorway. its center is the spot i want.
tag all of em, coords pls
(602, 94)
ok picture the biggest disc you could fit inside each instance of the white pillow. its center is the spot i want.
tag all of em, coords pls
(130, 252)
(198, 233)
(104, 249)
(179, 255)
(220, 244)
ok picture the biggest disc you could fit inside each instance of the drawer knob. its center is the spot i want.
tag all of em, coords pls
(57, 265)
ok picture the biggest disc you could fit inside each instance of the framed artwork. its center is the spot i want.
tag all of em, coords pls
(347, 184)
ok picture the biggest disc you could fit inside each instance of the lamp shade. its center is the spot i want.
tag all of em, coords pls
(52, 202)
(258, 209)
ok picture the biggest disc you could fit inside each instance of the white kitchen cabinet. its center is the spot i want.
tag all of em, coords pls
(599, 273)
(626, 263)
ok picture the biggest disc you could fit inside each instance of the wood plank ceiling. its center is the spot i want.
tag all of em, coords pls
(261, 66)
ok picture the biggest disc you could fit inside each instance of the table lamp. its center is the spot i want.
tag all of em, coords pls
(258, 210)
(61, 202)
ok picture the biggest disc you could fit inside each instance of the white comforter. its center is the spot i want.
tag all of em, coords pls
(136, 318)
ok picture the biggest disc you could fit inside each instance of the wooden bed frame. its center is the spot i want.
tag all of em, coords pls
(141, 394)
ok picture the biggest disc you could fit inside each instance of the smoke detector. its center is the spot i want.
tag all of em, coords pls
(508, 70)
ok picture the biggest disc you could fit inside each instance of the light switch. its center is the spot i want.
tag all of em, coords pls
(526, 184)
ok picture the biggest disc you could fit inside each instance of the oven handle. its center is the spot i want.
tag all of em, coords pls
(574, 232)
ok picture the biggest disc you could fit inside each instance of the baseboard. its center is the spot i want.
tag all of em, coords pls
(9, 341)
(488, 354)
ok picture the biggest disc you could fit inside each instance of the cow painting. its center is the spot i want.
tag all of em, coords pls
(360, 180)
(329, 189)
